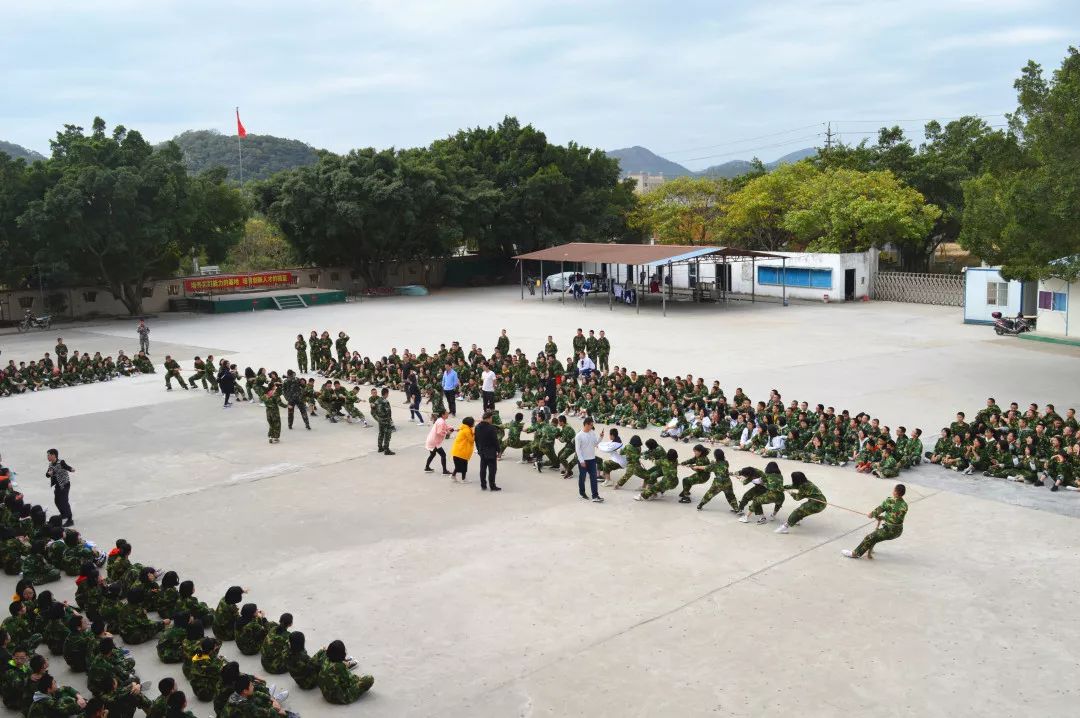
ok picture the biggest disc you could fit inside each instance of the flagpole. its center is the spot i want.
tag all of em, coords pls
(240, 147)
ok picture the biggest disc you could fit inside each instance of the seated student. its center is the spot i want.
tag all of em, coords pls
(251, 627)
(192, 644)
(48, 699)
(53, 626)
(205, 670)
(135, 626)
(176, 706)
(267, 698)
(303, 668)
(35, 568)
(188, 603)
(168, 596)
(955, 457)
(78, 644)
(109, 666)
(159, 706)
(226, 613)
(19, 628)
(13, 549)
(275, 647)
(14, 678)
(337, 684)
(170, 645)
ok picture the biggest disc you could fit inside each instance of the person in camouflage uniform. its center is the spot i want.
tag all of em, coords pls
(49, 700)
(172, 371)
(591, 346)
(603, 351)
(292, 390)
(274, 405)
(890, 516)
(135, 626)
(773, 494)
(543, 443)
(313, 348)
(802, 490)
(341, 344)
(337, 684)
(701, 467)
(667, 480)
(578, 342)
(566, 434)
(513, 438)
(200, 373)
(301, 354)
(170, 642)
(889, 467)
(205, 670)
(35, 568)
(502, 345)
(721, 482)
(632, 452)
(382, 414)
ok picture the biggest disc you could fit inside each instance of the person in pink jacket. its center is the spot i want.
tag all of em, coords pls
(439, 431)
(462, 450)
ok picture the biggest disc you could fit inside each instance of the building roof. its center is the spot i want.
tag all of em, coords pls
(638, 254)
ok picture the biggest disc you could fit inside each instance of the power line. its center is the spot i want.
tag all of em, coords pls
(745, 139)
(755, 149)
(928, 119)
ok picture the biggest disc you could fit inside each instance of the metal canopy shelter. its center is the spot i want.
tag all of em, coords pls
(647, 255)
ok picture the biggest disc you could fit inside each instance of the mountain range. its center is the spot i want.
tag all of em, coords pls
(640, 159)
(19, 152)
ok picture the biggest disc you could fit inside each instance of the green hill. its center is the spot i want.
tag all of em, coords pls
(263, 154)
(18, 152)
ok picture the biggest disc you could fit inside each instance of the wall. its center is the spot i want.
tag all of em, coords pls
(1055, 323)
(976, 308)
(743, 274)
(79, 305)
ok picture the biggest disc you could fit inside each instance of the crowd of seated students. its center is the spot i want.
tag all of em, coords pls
(68, 370)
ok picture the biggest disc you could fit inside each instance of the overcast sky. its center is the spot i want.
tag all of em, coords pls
(698, 82)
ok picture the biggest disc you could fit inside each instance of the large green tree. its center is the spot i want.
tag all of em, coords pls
(755, 214)
(684, 210)
(1022, 212)
(117, 212)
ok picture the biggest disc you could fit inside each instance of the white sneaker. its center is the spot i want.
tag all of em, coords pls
(639, 497)
(772, 517)
(849, 553)
(1070, 488)
(968, 471)
(783, 529)
(744, 519)
(762, 520)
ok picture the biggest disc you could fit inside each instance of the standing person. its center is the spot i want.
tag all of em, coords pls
(382, 414)
(487, 446)
(59, 476)
(502, 345)
(439, 431)
(487, 387)
(603, 351)
(172, 371)
(412, 394)
(144, 337)
(301, 354)
(450, 384)
(890, 516)
(274, 405)
(462, 450)
(292, 389)
(227, 381)
(551, 390)
(585, 444)
(313, 347)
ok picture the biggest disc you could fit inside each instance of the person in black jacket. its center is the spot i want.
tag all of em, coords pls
(487, 446)
(226, 381)
(59, 476)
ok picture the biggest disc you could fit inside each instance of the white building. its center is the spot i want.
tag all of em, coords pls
(646, 182)
(1055, 319)
(986, 292)
(810, 275)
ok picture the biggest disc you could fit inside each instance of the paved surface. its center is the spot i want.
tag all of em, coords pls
(528, 602)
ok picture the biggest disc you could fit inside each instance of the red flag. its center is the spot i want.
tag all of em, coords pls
(239, 125)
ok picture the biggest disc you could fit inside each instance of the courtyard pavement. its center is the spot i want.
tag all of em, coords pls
(529, 602)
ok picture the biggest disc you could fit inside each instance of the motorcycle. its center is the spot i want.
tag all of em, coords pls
(29, 323)
(1011, 326)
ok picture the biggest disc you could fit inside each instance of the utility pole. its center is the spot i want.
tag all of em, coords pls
(828, 136)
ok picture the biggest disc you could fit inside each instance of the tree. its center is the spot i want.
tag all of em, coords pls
(1021, 212)
(119, 212)
(261, 248)
(685, 210)
(843, 210)
(755, 213)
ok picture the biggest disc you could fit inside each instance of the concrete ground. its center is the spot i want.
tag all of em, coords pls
(529, 602)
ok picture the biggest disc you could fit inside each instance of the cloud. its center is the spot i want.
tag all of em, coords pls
(1012, 37)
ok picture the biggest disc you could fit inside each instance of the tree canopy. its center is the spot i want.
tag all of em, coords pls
(111, 210)
(685, 210)
(496, 190)
(1022, 211)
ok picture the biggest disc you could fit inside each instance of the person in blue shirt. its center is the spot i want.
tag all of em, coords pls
(450, 383)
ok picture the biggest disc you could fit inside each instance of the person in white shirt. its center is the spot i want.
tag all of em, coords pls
(585, 366)
(487, 387)
(613, 447)
(585, 444)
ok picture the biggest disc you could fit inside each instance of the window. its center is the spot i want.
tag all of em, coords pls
(796, 277)
(334, 276)
(997, 293)
(1054, 301)
(147, 292)
(26, 302)
(89, 296)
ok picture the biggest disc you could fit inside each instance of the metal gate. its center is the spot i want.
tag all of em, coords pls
(946, 289)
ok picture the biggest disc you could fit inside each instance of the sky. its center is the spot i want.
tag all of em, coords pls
(697, 82)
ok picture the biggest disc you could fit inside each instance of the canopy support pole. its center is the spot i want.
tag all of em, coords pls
(753, 279)
(637, 294)
(562, 276)
(610, 290)
(725, 284)
(783, 263)
(543, 282)
(521, 266)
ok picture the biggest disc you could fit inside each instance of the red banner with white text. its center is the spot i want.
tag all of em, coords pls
(239, 282)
